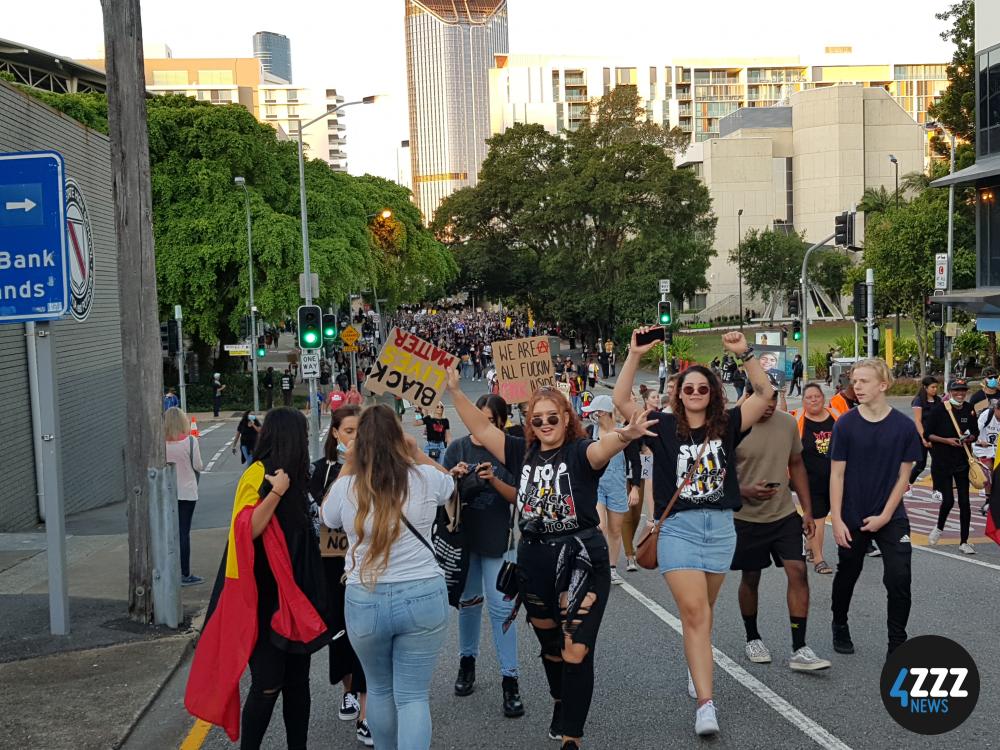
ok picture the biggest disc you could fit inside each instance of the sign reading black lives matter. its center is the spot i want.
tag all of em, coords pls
(410, 368)
(523, 366)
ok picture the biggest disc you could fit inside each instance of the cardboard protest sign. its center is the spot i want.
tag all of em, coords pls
(332, 542)
(410, 368)
(523, 365)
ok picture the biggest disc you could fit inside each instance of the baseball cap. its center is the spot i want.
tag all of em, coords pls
(958, 384)
(989, 372)
(600, 403)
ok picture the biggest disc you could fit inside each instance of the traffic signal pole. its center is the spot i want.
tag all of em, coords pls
(314, 426)
(804, 311)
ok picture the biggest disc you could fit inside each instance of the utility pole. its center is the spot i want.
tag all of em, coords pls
(181, 380)
(145, 451)
(870, 283)
(951, 254)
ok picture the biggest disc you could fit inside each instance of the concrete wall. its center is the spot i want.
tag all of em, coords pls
(88, 352)
(987, 24)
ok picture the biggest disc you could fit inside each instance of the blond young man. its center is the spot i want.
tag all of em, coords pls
(872, 451)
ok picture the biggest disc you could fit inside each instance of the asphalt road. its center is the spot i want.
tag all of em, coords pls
(640, 698)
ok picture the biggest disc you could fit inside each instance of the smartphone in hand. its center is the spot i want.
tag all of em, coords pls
(654, 334)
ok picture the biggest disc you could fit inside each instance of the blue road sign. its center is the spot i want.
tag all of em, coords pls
(34, 264)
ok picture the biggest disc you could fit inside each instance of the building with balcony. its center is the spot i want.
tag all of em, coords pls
(272, 100)
(450, 46)
(794, 167)
(275, 53)
(692, 94)
(984, 175)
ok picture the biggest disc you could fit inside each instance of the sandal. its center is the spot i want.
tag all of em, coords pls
(822, 568)
(809, 556)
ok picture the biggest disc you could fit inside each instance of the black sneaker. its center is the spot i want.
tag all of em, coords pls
(349, 707)
(465, 683)
(512, 705)
(571, 745)
(555, 727)
(842, 642)
(365, 734)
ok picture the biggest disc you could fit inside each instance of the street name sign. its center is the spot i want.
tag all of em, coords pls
(238, 350)
(310, 365)
(34, 264)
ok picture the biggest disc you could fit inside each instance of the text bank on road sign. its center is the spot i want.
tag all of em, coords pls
(34, 273)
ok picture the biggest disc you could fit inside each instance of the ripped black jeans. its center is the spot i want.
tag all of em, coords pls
(544, 599)
(274, 672)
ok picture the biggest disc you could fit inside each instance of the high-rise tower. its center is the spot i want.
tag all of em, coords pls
(450, 48)
(274, 52)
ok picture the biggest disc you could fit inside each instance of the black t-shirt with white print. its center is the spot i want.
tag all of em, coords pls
(714, 484)
(557, 489)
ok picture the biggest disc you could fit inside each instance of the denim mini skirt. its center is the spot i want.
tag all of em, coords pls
(697, 540)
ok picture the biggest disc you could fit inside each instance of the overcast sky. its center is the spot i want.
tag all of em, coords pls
(357, 46)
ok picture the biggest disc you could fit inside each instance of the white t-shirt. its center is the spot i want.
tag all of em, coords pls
(989, 429)
(409, 558)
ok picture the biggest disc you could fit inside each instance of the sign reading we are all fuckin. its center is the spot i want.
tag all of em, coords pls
(410, 368)
(522, 366)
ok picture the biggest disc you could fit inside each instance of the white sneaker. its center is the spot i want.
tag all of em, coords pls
(630, 565)
(966, 549)
(691, 690)
(934, 537)
(706, 721)
(805, 660)
(616, 580)
(757, 652)
(936, 496)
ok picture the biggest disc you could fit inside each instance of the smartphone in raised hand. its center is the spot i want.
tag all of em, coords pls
(653, 334)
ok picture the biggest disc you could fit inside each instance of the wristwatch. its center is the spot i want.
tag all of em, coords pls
(747, 355)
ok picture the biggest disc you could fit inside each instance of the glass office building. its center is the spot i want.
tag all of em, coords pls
(450, 48)
(275, 53)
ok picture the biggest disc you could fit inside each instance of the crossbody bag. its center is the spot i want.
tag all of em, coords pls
(977, 472)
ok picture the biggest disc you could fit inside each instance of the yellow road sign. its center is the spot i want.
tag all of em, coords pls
(350, 349)
(350, 335)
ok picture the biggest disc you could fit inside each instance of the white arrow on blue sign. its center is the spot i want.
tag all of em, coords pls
(34, 264)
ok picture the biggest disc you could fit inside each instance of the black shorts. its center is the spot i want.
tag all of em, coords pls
(820, 506)
(536, 578)
(757, 544)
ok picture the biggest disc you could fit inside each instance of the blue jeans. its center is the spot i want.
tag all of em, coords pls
(439, 447)
(398, 630)
(482, 578)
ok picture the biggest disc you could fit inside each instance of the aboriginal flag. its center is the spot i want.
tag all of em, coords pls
(231, 628)
(993, 517)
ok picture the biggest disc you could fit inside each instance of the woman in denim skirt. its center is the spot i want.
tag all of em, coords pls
(694, 448)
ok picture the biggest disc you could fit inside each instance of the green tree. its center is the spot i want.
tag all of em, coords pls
(876, 200)
(588, 221)
(956, 108)
(829, 271)
(770, 262)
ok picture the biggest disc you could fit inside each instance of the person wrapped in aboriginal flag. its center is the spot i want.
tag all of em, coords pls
(269, 605)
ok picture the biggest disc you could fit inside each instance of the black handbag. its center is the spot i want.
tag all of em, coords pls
(449, 549)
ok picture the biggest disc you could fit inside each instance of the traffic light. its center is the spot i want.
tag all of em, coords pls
(939, 344)
(668, 338)
(261, 348)
(796, 330)
(935, 313)
(793, 305)
(664, 313)
(840, 229)
(310, 327)
(329, 327)
(860, 301)
(245, 327)
(169, 340)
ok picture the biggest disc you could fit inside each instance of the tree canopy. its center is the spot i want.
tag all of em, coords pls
(956, 108)
(581, 226)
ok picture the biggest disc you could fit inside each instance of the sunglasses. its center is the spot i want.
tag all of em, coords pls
(690, 390)
(552, 419)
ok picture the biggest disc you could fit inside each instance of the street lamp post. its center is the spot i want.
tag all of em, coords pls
(951, 235)
(385, 213)
(895, 163)
(314, 437)
(739, 258)
(253, 309)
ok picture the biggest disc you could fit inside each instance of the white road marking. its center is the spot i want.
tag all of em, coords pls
(786, 710)
(209, 429)
(961, 558)
(215, 458)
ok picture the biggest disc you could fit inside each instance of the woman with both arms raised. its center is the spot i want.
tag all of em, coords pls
(563, 572)
(696, 543)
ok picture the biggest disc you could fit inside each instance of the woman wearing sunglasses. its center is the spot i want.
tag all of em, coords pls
(694, 449)
(563, 571)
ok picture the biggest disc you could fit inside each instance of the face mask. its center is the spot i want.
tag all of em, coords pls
(251, 417)
(991, 382)
(954, 402)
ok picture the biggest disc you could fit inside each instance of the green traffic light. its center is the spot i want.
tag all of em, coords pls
(797, 335)
(261, 352)
(665, 320)
(310, 337)
(329, 333)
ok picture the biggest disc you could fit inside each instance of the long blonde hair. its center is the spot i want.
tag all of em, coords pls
(382, 465)
(176, 425)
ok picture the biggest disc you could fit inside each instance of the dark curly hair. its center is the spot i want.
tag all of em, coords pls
(716, 416)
